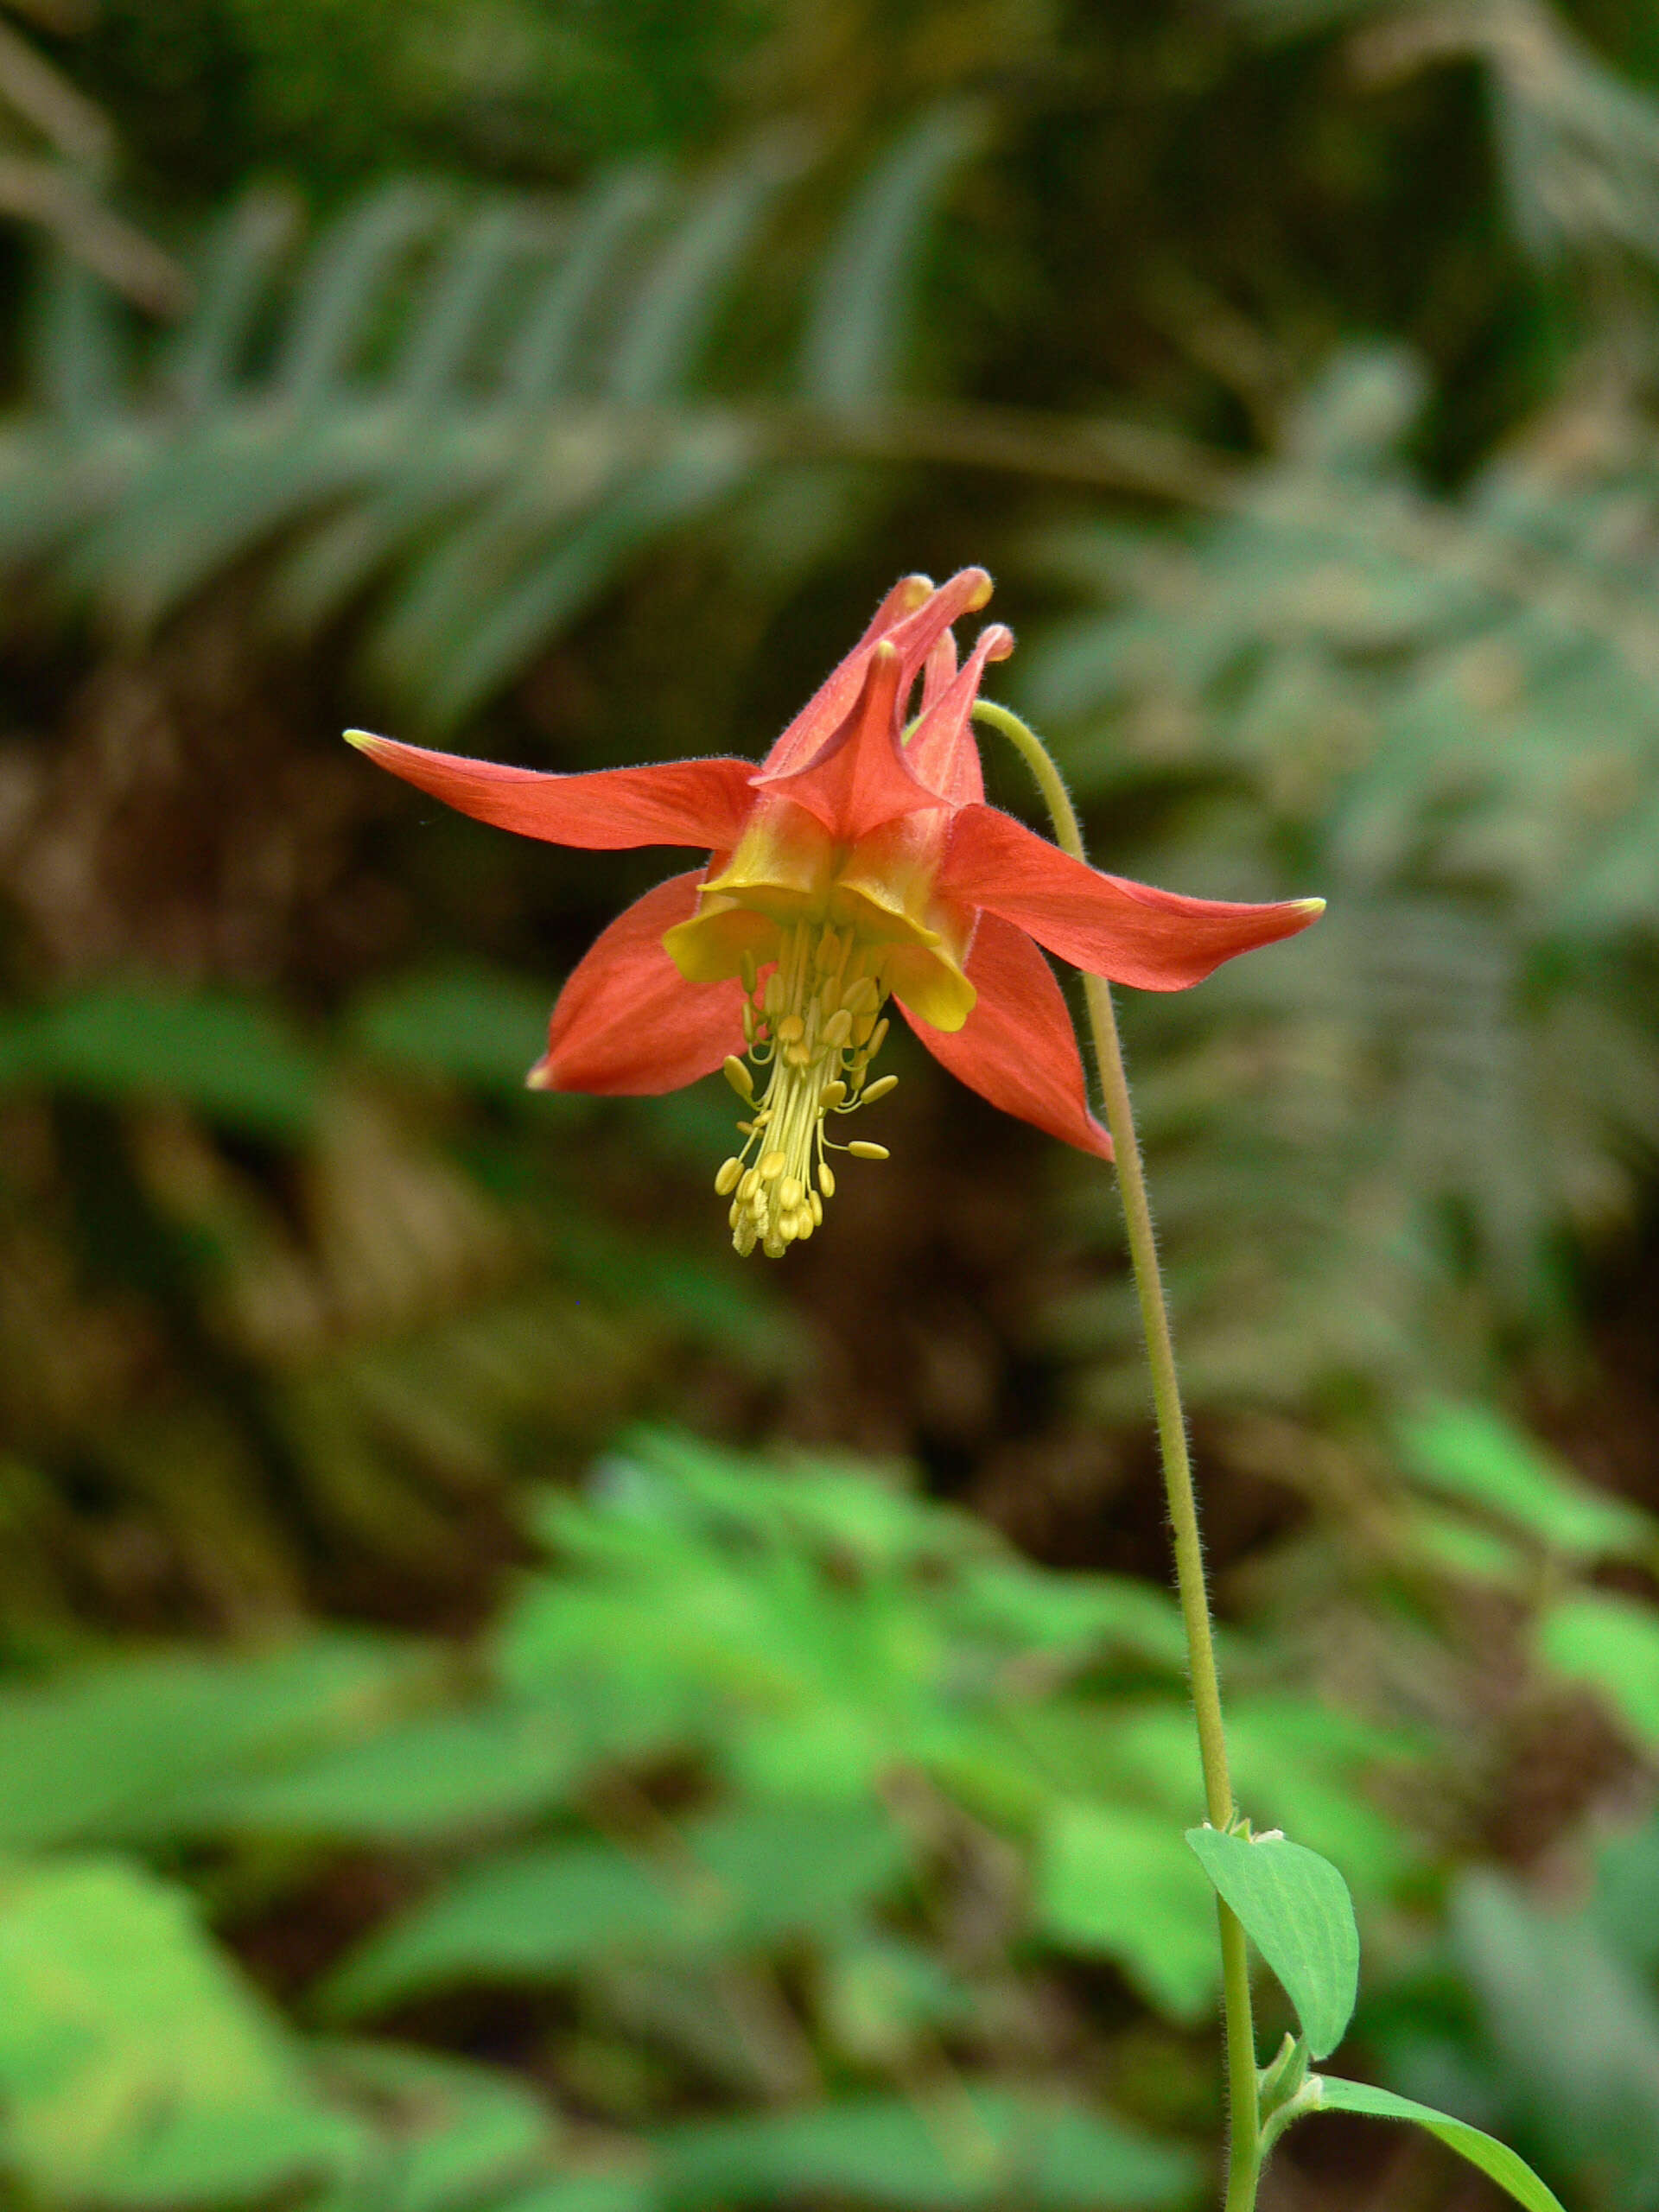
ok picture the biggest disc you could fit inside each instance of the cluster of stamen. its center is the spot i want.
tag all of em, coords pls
(812, 1032)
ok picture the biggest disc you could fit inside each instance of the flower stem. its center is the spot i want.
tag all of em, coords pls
(1244, 2140)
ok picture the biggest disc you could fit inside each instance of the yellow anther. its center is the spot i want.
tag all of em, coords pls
(877, 1037)
(859, 1150)
(872, 1091)
(811, 1039)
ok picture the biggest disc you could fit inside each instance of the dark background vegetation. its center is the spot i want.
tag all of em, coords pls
(507, 1708)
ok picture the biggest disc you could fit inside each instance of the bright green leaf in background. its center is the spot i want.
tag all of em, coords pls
(1117, 1883)
(1473, 1455)
(238, 1062)
(731, 1882)
(1509, 2170)
(451, 2134)
(444, 1775)
(110, 1750)
(961, 2152)
(1296, 1910)
(137, 2068)
(1612, 1644)
(477, 1024)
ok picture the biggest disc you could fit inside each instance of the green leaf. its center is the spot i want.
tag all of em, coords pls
(742, 1880)
(689, 280)
(848, 355)
(1475, 1456)
(1627, 1882)
(1590, 2095)
(1612, 1644)
(1114, 1881)
(481, 1025)
(1462, 1549)
(452, 2133)
(432, 1778)
(891, 2151)
(108, 1752)
(136, 2067)
(627, 2190)
(236, 1063)
(1296, 1908)
(1496, 2159)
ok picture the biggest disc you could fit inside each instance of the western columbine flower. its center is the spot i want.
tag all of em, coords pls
(858, 864)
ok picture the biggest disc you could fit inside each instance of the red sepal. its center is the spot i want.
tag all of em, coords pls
(628, 1023)
(1130, 932)
(1017, 1048)
(700, 803)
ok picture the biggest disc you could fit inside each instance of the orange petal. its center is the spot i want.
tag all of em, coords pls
(699, 803)
(1017, 1047)
(628, 1023)
(1155, 940)
(943, 752)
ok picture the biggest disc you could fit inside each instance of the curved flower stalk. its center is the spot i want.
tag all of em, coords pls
(857, 866)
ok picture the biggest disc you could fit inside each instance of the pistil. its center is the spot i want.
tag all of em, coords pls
(812, 1030)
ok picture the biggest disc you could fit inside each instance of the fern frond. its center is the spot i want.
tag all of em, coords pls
(1437, 713)
(476, 414)
(1576, 145)
(850, 342)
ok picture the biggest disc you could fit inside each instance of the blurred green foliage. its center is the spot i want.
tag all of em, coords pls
(778, 1789)
(420, 1788)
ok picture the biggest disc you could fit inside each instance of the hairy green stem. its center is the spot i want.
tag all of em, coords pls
(1244, 2151)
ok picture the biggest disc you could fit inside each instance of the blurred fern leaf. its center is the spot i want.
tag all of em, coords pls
(472, 416)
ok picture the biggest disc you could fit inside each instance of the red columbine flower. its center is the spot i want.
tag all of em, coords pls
(858, 862)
